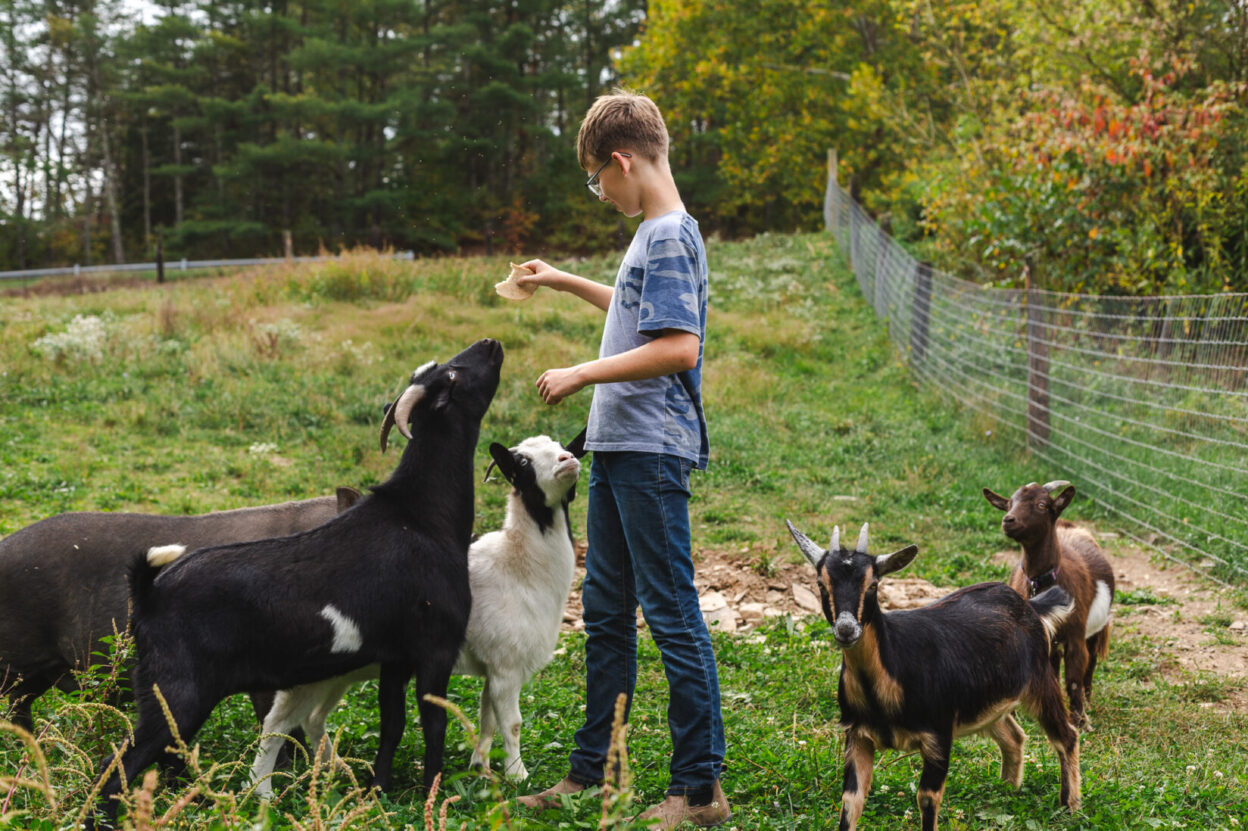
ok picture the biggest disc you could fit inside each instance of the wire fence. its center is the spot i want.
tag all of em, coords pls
(1142, 403)
(169, 265)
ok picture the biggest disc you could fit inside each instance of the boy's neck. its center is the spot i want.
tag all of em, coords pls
(660, 195)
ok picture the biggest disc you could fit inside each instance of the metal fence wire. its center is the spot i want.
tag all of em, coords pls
(1142, 403)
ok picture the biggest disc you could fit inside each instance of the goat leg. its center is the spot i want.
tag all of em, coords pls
(1076, 667)
(859, 763)
(432, 678)
(392, 702)
(932, 781)
(1010, 738)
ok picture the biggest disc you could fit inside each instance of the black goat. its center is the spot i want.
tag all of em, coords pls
(915, 680)
(63, 584)
(385, 582)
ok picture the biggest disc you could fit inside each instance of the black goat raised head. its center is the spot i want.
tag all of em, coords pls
(848, 580)
(469, 379)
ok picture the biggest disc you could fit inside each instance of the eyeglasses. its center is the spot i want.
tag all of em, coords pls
(595, 187)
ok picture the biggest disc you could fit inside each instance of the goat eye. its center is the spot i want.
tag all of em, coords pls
(873, 586)
(451, 376)
(1044, 506)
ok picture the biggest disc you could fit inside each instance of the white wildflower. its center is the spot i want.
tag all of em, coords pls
(83, 339)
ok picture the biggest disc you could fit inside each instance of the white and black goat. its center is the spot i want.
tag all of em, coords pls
(916, 679)
(1056, 551)
(63, 584)
(520, 577)
(386, 582)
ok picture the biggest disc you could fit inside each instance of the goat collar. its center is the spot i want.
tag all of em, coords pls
(1042, 581)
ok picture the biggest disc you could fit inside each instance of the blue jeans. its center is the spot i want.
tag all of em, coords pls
(639, 551)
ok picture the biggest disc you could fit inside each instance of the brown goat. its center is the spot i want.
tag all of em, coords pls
(1057, 551)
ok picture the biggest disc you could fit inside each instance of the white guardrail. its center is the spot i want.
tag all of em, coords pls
(170, 265)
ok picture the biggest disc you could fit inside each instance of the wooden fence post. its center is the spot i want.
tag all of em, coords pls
(1037, 367)
(920, 313)
(833, 219)
(160, 254)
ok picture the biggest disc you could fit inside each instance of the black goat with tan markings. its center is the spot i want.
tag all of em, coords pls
(917, 679)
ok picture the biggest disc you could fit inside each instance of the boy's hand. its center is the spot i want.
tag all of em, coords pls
(543, 274)
(554, 385)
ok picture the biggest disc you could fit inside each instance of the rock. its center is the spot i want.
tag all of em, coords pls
(806, 599)
(712, 602)
(1238, 626)
(721, 620)
(752, 611)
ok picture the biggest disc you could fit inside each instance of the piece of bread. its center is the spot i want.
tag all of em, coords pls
(512, 290)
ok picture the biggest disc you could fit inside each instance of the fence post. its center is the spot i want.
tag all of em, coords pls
(920, 313)
(288, 245)
(160, 254)
(831, 220)
(1037, 366)
(880, 274)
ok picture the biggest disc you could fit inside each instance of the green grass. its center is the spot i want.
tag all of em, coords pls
(205, 395)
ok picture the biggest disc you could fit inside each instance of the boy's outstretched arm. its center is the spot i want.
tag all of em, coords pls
(672, 351)
(545, 274)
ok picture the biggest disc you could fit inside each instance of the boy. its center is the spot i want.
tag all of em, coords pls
(647, 429)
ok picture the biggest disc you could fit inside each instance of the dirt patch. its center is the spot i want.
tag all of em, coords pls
(737, 594)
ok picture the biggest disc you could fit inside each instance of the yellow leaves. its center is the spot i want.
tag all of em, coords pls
(1093, 233)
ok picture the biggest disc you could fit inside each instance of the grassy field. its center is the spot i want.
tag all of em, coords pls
(203, 395)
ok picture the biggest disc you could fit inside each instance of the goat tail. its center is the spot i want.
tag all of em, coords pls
(142, 574)
(1102, 647)
(1053, 605)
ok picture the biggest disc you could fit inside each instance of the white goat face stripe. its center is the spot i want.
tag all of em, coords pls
(347, 636)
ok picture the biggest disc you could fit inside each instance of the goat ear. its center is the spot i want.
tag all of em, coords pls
(503, 460)
(996, 500)
(577, 446)
(813, 552)
(895, 561)
(1063, 499)
(348, 497)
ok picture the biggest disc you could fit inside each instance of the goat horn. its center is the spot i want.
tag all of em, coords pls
(403, 408)
(1057, 484)
(862, 539)
(808, 547)
(399, 413)
(836, 538)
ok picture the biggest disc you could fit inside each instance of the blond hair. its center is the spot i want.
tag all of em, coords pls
(621, 120)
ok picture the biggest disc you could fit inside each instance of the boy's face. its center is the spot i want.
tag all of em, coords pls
(617, 182)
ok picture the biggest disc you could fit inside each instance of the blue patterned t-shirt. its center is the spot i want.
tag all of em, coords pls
(662, 284)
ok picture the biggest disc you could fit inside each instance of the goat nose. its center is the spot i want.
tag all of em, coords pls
(563, 457)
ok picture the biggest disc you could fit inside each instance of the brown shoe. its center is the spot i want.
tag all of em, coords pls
(676, 809)
(551, 797)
